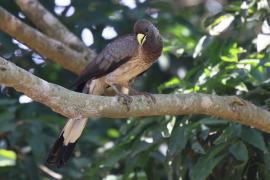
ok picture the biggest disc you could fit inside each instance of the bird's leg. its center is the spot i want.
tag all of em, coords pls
(133, 91)
(126, 99)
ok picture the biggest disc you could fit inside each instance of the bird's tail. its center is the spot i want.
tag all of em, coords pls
(64, 145)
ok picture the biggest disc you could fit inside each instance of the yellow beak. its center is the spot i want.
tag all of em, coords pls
(141, 38)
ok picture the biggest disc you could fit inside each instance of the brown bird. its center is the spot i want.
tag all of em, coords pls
(119, 62)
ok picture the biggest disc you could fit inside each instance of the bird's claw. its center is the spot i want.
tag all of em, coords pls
(125, 99)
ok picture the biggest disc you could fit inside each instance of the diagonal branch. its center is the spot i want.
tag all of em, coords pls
(39, 42)
(72, 104)
(51, 26)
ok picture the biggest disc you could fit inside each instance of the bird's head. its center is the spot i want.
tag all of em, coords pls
(144, 29)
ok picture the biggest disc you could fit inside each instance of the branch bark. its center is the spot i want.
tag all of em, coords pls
(44, 45)
(51, 26)
(72, 104)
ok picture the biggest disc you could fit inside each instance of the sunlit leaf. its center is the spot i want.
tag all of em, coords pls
(262, 4)
(220, 24)
(232, 52)
(249, 61)
(113, 133)
(262, 42)
(200, 45)
(174, 81)
(7, 158)
(241, 87)
(167, 130)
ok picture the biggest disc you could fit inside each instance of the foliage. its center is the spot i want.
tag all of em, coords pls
(217, 56)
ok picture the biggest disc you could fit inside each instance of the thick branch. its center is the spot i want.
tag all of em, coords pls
(39, 42)
(72, 104)
(51, 26)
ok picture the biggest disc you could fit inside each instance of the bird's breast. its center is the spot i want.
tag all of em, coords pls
(129, 70)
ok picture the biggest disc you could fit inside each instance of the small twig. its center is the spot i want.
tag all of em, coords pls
(50, 172)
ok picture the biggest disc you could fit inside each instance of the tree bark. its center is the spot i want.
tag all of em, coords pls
(44, 45)
(52, 27)
(72, 104)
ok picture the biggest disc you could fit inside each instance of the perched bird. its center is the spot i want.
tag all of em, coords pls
(115, 66)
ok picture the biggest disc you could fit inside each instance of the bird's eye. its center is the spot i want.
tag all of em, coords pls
(146, 30)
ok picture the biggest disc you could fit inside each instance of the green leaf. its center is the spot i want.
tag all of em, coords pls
(254, 137)
(6, 120)
(177, 142)
(7, 126)
(140, 146)
(229, 134)
(211, 121)
(7, 158)
(231, 53)
(113, 133)
(6, 102)
(204, 167)
(267, 161)
(167, 129)
(6, 116)
(239, 151)
(138, 161)
(250, 61)
(220, 24)
(200, 45)
(117, 154)
(135, 128)
(207, 163)
(81, 162)
(172, 82)
(197, 147)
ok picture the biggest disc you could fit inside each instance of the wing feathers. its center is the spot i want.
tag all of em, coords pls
(113, 55)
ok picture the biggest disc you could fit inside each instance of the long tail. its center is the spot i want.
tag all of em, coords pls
(64, 145)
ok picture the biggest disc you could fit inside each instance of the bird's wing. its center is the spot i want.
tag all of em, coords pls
(111, 57)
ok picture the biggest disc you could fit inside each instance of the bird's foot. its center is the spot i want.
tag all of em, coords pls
(125, 99)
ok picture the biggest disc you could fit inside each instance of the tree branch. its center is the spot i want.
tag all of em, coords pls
(72, 104)
(41, 43)
(51, 26)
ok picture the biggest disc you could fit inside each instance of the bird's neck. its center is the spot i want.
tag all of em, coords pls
(153, 45)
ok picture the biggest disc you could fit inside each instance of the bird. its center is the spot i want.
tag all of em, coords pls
(116, 66)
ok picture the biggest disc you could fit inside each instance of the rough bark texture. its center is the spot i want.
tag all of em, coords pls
(72, 104)
(51, 26)
(44, 45)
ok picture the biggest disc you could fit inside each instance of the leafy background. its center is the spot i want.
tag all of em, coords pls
(215, 47)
